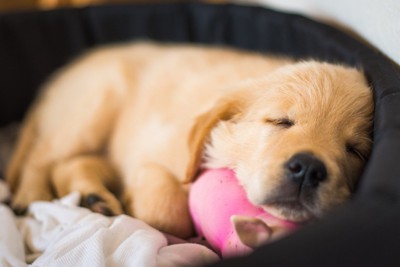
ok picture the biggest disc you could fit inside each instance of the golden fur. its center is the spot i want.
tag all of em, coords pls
(145, 117)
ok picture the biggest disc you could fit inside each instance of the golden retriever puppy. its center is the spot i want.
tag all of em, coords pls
(145, 117)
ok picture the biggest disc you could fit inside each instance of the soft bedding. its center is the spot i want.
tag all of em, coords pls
(60, 233)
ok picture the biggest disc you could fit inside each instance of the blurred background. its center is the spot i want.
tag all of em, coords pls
(375, 22)
(9, 5)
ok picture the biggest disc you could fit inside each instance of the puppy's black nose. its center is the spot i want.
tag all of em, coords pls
(306, 169)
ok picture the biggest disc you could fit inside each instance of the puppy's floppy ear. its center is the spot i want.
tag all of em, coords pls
(223, 110)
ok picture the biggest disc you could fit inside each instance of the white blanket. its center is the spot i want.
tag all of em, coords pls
(60, 233)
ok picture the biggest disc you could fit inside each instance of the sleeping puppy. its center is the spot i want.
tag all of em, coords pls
(143, 118)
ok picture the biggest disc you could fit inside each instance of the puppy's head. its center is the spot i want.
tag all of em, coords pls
(297, 139)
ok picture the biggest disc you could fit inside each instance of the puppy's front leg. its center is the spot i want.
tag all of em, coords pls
(155, 196)
(93, 177)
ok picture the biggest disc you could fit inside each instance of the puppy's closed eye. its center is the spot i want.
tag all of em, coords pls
(355, 152)
(282, 122)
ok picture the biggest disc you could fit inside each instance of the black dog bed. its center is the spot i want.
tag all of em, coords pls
(363, 232)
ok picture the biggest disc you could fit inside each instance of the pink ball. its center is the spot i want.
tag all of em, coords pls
(214, 198)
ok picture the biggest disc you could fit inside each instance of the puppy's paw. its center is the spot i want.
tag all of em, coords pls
(23, 198)
(156, 197)
(5, 194)
(103, 203)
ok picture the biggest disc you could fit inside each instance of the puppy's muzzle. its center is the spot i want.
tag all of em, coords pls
(305, 170)
(297, 195)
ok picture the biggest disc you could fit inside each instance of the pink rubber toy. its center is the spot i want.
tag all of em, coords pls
(223, 215)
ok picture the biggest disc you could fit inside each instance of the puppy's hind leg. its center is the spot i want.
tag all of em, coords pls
(94, 178)
(28, 170)
(74, 116)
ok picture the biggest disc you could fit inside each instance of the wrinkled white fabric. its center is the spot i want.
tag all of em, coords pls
(60, 233)
(11, 246)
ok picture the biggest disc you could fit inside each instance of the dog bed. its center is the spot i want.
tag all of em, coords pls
(364, 232)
